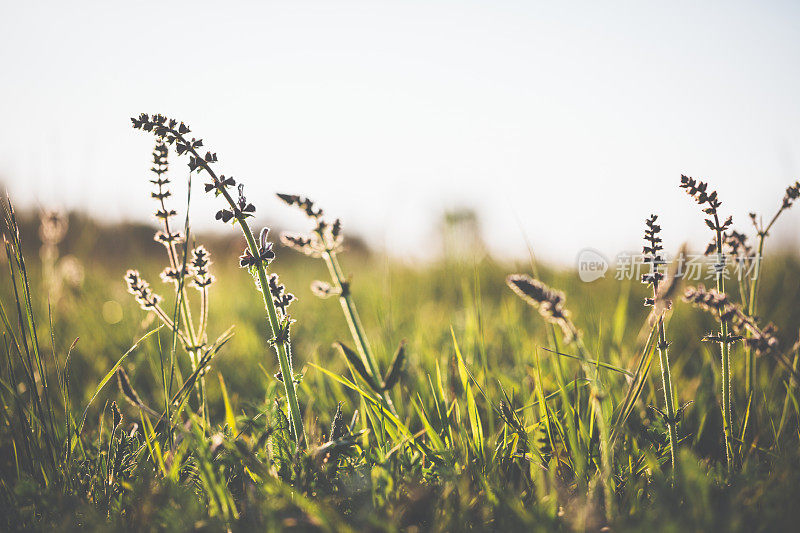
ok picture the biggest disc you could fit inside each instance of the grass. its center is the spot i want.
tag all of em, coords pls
(489, 415)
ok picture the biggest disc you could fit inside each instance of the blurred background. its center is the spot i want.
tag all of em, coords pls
(563, 124)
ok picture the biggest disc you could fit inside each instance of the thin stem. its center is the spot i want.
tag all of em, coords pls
(283, 349)
(663, 354)
(725, 354)
(669, 397)
(162, 315)
(178, 267)
(666, 374)
(752, 300)
(192, 347)
(750, 360)
(354, 323)
(203, 313)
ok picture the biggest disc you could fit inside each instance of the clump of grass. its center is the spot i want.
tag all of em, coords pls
(40, 444)
(550, 304)
(256, 256)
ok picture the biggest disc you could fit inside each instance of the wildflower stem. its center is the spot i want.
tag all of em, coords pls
(669, 397)
(753, 297)
(162, 129)
(179, 267)
(792, 193)
(660, 302)
(724, 352)
(168, 322)
(282, 348)
(203, 313)
(750, 360)
(354, 323)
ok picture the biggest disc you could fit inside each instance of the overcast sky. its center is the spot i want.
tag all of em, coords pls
(566, 121)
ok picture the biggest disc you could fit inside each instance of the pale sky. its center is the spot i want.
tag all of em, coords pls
(568, 121)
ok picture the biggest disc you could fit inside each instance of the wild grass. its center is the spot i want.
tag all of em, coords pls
(488, 416)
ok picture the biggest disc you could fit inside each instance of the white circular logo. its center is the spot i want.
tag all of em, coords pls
(591, 265)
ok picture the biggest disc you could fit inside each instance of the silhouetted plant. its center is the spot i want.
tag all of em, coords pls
(652, 252)
(325, 241)
(181, 267)
(711, 204)
(750, 297)
(256, 256)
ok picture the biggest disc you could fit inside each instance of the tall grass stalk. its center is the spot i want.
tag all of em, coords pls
(177, 271)
(325, 242)
(697, 190)
(659, 302)
(791, 194)
(354, 322)
(725, 352)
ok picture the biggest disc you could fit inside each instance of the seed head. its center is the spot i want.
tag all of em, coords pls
(116, 415)
(764, 341)
(547, 301)
(173, 275)
(169, 131)
(761, 341)
(302, 203)
(653, 244)
(323, 289)
(201, 260)
(159, 168)
(326, 238)
(280, 297)
(299, 243)
(265, 253)
(166, 238)
(792, 194)
(710, 300)
(652, 253)
(698, 191)
(146, 298)
(737, 244)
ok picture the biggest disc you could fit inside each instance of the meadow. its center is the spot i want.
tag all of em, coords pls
(459, 394)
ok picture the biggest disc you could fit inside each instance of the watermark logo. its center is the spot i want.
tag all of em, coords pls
(592, 265)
